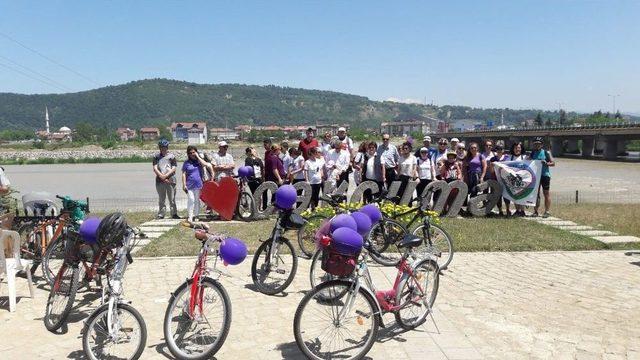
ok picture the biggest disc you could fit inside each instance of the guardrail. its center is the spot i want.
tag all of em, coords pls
(625, 125)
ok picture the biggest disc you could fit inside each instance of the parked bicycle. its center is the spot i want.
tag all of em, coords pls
(198, 316)
(340, 318)
(246, 207)
(115, 330)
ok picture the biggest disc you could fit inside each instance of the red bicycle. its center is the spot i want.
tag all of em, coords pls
(198, 317)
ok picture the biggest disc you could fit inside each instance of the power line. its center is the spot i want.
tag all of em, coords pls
(49, 59)
(36, 73)
(32, 77)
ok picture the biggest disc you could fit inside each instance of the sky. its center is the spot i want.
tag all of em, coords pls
(517, 54)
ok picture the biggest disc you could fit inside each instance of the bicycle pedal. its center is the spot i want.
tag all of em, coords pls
(280, 271)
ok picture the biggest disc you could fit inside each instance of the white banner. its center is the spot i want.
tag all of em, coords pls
(520, 180)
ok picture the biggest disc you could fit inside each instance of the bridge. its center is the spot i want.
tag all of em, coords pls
(610, 139)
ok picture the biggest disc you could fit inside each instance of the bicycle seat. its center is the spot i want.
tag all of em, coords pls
(410, 241)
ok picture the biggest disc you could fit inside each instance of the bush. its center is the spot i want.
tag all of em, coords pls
(388, 210)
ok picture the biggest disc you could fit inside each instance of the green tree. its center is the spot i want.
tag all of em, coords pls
(539, 120)
(618, 115)
(563, 117)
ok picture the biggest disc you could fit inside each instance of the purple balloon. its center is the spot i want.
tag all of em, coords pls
(233, 251)
(286, 197)
(373, 212)
(245, 171)
(89, 230)
(346, 241)
(363, 222)
(343, 220)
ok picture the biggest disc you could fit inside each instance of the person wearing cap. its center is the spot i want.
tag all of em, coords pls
(426, 143)
(164, 167)
(389, 156)
(426, 170)
(337, 164)
(307, 143)
(461, 151)
(222, 161)
(454, 143)
(538, 153)
(346, 140)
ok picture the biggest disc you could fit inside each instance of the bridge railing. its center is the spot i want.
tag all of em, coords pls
(617, 125)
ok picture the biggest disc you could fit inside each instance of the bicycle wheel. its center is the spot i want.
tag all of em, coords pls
(416, 294)
(60, 301)
(126, 340)
(306, 234)
(383, 237)
(273, 270)
(199, 336)
(246, 206)
(342, 327)
(53, 259)
(441, 244)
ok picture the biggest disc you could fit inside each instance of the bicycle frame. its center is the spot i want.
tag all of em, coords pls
(114, 288)
(200, 270)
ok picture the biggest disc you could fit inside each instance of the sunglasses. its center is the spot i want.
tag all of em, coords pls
(383, 139)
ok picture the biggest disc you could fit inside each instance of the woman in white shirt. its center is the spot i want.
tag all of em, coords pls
(426, 171)
(406, 167)
(297, 166)
(358, 162)
(313, 174)
(368, 170)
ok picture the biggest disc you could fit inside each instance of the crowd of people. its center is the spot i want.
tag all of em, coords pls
(334, 158)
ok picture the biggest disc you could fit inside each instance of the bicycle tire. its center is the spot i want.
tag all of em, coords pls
(95, 316)
(259, 282)
(429, 266)
(55, 251)
(246, 207)
(306, 234)
(53, 322)
(443, 247)
(176, 295)
(371, 313)
(383, 237)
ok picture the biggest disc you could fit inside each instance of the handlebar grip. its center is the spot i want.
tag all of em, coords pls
(60, 197)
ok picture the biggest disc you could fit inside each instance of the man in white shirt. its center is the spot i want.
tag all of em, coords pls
(389, 157)
(342, 136)
(222, 161)
(337, 164)
(4, 182)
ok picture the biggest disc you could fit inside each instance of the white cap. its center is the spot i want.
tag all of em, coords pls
(455, 140)
(342, 129)
(223, 143)
(426, 138)
(424, 149)
(460, 145)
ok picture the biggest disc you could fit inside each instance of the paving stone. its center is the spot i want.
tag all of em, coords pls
(573, 227)
(617, 239)
(557, 222)
(153, 235)
(594, 232)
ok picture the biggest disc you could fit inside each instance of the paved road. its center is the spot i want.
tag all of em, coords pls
(490, 305)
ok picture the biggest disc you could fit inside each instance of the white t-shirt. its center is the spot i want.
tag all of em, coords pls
(297, 164)
(218, 160)
(348, 142)
(313, 167)
(370, 171)
(339, 159)
(407, 165)
(424, 169)
(286, 162)
(518, 157)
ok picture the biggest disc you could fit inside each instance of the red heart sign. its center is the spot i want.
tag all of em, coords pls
(221, 196)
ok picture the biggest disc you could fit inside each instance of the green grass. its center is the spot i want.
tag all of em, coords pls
(620, 218)
(469, 235)
(133, 218)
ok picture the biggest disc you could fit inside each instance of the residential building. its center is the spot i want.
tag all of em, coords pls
(150, 133)
(186, 131)
(331, 128)
(402, 128)
(126, 134)
(223, 134)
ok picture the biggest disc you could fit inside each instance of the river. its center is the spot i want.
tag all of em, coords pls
(131, 186)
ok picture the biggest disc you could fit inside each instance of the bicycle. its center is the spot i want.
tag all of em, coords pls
(246, 207)
(341, 318)
(388, 231)
(116, 329)
(276, 271)
(92, 260)
(198, 317)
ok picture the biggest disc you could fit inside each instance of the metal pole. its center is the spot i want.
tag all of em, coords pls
(576, 196)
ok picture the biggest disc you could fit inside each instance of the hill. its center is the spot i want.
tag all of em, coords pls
(162, 101)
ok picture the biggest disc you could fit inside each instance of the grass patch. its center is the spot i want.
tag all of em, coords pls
(619, 218)
(469, 234)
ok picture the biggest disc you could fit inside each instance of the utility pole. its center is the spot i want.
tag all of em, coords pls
(613, 97)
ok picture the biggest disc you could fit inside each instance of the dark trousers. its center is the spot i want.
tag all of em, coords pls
(343, 177)
(367, 197)
(315, 195)
(404, 180)
(420, 188)
(390, 176)
(473, 181)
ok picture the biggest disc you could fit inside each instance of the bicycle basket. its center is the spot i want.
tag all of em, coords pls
(292, 221)
(338, 264)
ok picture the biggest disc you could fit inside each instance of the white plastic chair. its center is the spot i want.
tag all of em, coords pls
(10, 266)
